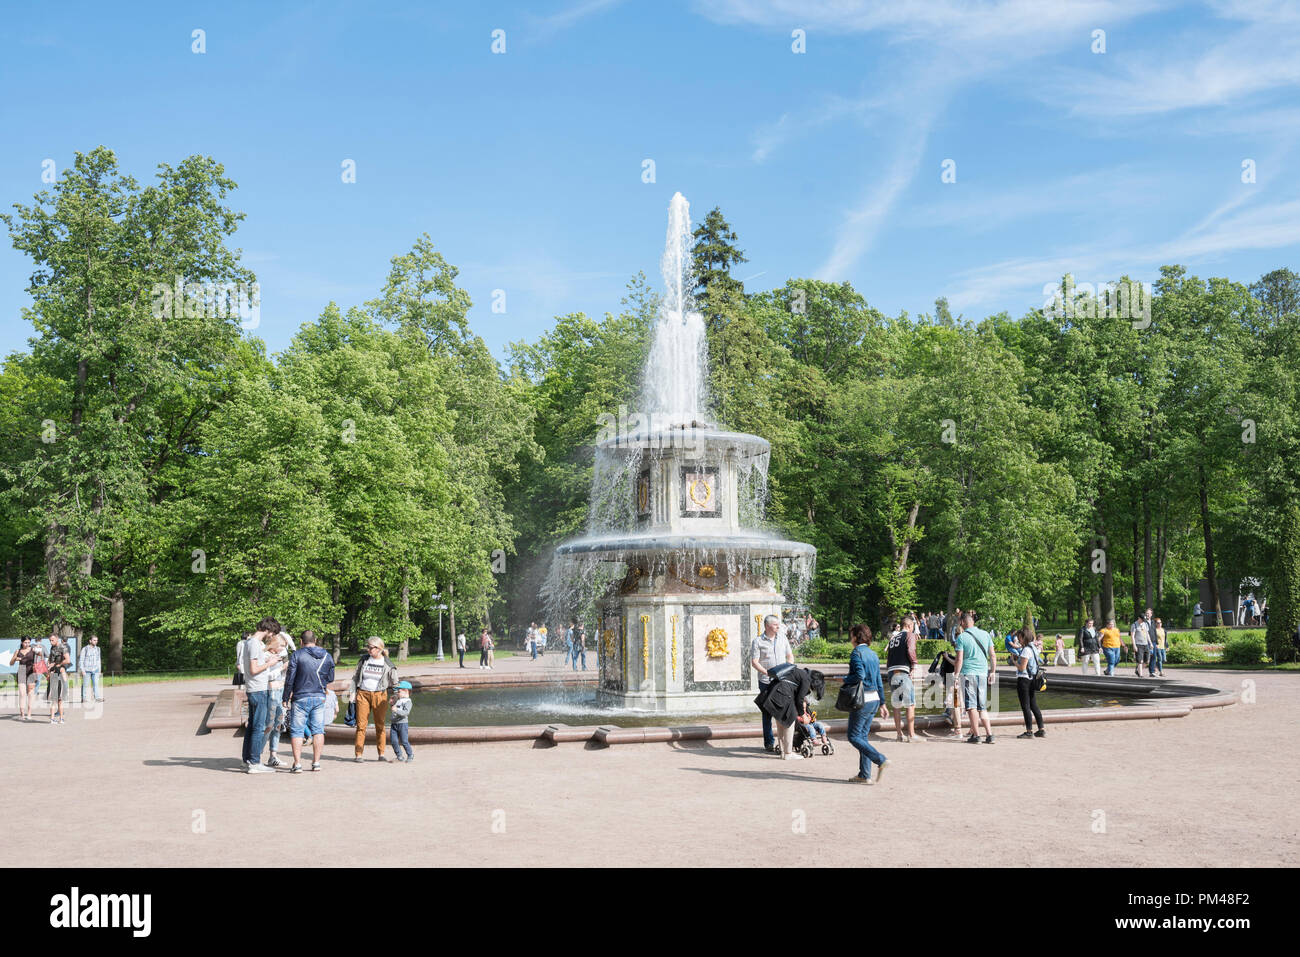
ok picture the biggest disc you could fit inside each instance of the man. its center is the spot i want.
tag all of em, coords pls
(532, 639)
(580, 646)
(257, 691)
(88, 665)
(975, 664)
(1140, 635)
(56, 679)
(770, 650)
(900, 659)
(1088, 641)
(569, 656)
(460, 648)
(311, 669)
(933, 625)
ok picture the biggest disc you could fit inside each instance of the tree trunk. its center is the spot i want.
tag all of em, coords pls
(404, 651)
(1210, 575)
(952, 595)
(1137, 571)
(1148, 583)
(1107, 593)
(116, 619)
(451, 611)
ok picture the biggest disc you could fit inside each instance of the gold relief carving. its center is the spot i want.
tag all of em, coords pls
(758, 624)
(706, 571)
(701, 492)
(674, 621)
(715, 643)
(643, 494)
(607, 640)
(645, 646)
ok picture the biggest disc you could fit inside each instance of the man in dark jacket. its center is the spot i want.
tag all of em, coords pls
(306, 684)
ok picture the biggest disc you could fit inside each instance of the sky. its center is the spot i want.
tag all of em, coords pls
(972, 150)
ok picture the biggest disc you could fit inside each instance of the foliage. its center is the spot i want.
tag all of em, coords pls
(1185, 653)
(1244, 649)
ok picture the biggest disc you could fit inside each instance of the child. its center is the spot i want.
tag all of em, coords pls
(816, 730)
(399, 723)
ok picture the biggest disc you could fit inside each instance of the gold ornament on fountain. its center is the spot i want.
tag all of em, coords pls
(706, 571)
(700, 492)
(607, 640)
(715, 643)
(645, 646)
(673, 618)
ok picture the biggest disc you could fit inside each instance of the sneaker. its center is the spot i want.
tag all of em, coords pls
(1040, 733)
(880, 771)
(1025, 734)
(315, 765)
(358, 759)
(411, 756)
(401, 759)
(274, 762)
(296, 769)
(62, 720)
(260, 769)
(53, 720)
(387, 758)
(973, 739)
(988, 739)
(792, 757)
(859, 779)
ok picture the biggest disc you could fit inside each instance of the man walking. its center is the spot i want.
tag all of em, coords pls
(975, 664)
(88, 665)
(311, 669)
(532, 639)
(900, 659)
(1088, 641)
(771, 649)
(460, 648)
(580, 646)
(1140, 634)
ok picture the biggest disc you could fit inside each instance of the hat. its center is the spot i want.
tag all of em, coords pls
(404, 684)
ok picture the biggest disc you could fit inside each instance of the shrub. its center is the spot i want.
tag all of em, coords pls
(1183, 638)
(1244, 649)
(1186, 653)
(1215, 635)
(927, 648)
(815, 648)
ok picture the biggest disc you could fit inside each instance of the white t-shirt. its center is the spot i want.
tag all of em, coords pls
(372, 672)
(255, 651)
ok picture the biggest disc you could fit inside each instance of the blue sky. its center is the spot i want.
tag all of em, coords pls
(526, 167)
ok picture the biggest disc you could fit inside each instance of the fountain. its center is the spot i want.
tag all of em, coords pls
(676, 564)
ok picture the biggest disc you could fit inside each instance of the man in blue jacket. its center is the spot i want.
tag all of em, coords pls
(311, 669)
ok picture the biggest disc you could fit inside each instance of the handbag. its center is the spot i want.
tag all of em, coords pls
(1038, 681)
(851, 697)
(40, 667)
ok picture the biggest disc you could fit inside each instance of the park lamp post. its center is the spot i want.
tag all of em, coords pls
(441, 609)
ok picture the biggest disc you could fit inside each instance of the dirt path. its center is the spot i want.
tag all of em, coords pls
(139, 785)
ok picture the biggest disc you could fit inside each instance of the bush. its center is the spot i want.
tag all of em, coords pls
(1183, 638)
(1245, 649)
(1215, 635)
(1186, 653)
(814, 648)
(927, 648)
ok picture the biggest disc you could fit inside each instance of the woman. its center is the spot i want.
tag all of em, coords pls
(375, 677)
(1027, 666)
(1111, 643)
(25, 658)
(276, 646)
(864, 668)
(785, 698)
(484, 643)
(1158, 647)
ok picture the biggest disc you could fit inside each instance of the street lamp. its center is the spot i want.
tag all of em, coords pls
(441, 609)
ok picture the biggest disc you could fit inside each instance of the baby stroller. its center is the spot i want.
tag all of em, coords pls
(804, 744)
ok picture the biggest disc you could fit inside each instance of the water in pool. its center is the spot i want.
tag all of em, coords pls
(548, 704)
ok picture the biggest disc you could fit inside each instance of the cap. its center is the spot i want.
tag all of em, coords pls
(404, 684)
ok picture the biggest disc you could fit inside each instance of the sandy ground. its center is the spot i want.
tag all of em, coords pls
(138, 784)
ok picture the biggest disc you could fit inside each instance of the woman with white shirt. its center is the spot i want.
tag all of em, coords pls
(1028, 664)
(374, 678)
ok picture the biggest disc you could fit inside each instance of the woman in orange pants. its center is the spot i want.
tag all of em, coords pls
(374, 677)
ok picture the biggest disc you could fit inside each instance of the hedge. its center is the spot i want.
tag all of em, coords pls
(1244, 649)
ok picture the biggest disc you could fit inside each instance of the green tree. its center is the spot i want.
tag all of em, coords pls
(714, 254)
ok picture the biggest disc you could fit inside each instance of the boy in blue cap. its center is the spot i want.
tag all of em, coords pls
(399, 722)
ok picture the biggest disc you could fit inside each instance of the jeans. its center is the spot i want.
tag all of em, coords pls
(461, 652)
(1158, 659)
(91, 678)
(259, 703)
(579, 653)
(399, 737)
(532, 645)
(859, 725)
(274, 712)
(1112, 659)
(307, 716)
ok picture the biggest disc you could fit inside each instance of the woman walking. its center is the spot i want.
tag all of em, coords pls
(1027, 667)
(25, 659)
(1111, 643)
(374, 678)
(864, 668)
(1159, 649)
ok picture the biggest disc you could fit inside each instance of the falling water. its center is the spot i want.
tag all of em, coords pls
(675, 389)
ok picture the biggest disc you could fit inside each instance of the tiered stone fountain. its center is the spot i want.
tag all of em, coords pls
(688, 583)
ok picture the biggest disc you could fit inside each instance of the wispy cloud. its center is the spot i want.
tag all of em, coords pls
(547, 26)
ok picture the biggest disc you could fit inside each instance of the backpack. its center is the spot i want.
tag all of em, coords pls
(1038, 680)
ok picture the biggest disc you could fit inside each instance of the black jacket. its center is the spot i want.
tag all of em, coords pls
(784, 698)
(1088, 645)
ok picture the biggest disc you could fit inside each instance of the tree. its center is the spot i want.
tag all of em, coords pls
(714, 254)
